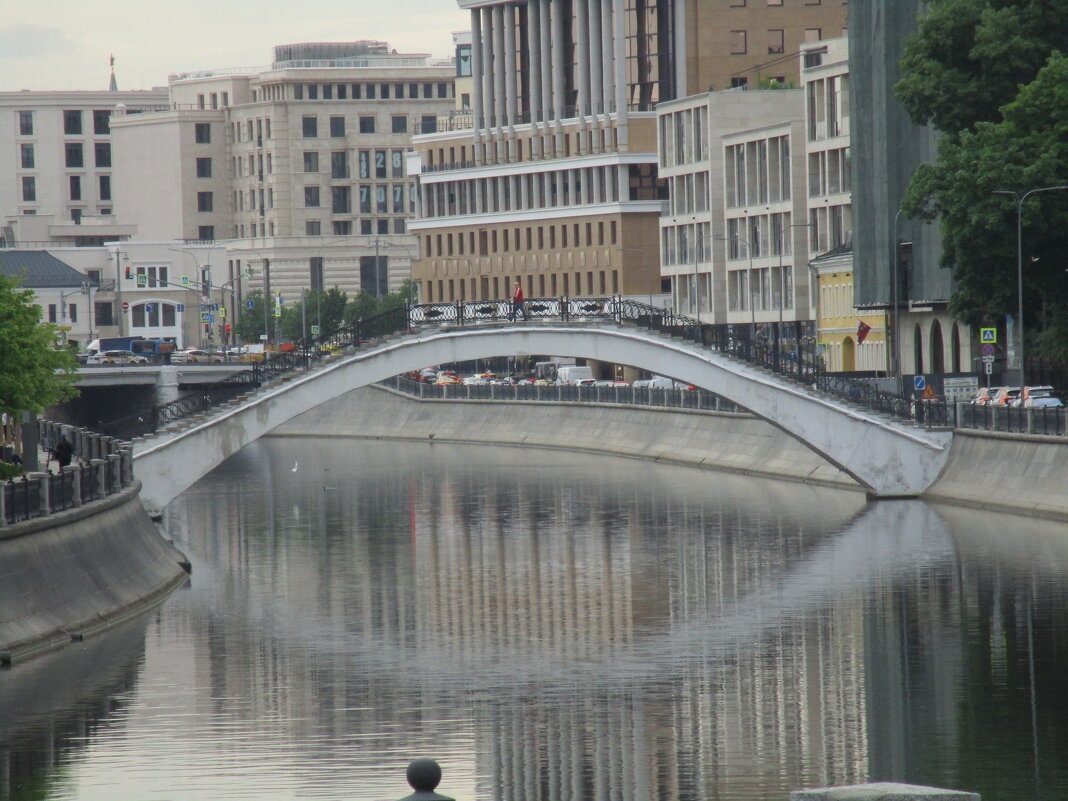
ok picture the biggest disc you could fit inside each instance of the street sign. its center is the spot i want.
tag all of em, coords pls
(988, 360)
(250, 304)
(919, 383)
(142, 279)
(989, 335)
(988, 367)
(180, 307)
(185, 280)
(125, 306)
(205, 317)
(222, 311)
(315, 330)
(263, 337)
(988, 350)
(148, 308)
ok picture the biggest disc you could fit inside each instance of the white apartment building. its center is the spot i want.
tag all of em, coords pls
(300, 165)
(57, 156)
(733, 241)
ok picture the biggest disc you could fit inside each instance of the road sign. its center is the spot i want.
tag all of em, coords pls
(988, 367)
(263, 337)
(185, 280)
(125, 306)
(988, 350)
(142, 279)
(180, 307)
(988, 360)
(205, 317)
(315, 330)
(250, 304)
(919, 383)
(148, 308)
(989, 335)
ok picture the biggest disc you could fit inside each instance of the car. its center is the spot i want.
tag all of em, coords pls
(428, 374)
(1043, 401)
(608, 382)
(195, 356)
(984, 396)
(445, 380)
(117, 357)
(1043, 390)
(585, 382)
(1004, 396)
(656, 382)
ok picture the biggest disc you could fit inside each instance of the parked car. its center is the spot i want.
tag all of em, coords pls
(1044, 390)
(117, 357)
(984, 396)
(656, 382)
(196, 356)
(1004, 396)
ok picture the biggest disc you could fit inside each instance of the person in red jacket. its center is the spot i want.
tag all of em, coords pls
(517, 302)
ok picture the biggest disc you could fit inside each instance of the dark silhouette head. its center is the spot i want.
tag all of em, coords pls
(424, 775)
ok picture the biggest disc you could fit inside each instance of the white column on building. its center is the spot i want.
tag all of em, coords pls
(557, 70)
(500, 107)
(486, 78)
(608, 72)
(534, 45)
(596, 59)
(545, 20)
(595, 187)
(510, 73)
(582, 56)
(476, 71)
(619, 41)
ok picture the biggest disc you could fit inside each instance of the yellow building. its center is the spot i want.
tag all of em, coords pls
(849, 340)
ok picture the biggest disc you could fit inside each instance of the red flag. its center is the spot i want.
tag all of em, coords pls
(862, 332)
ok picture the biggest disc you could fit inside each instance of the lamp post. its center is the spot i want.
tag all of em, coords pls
(895, 347)
(376, 243)
(1020, 198)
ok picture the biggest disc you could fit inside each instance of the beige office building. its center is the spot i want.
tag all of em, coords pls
(57, 157)
(300, 165)
(556, 183)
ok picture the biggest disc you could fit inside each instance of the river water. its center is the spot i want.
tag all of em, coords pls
(557, 627)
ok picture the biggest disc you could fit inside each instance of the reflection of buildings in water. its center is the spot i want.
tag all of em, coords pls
(667, 644)
(51, 705)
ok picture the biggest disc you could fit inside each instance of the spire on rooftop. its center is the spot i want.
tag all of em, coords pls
(114, 85)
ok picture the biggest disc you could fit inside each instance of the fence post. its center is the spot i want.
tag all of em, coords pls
(3, 502)
(44, 491)
(76, 486)
(100, 469)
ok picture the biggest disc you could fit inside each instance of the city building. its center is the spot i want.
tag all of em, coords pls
(63, 294)
(299, 165)
(57, 156)
(556, 183)
(897, 260)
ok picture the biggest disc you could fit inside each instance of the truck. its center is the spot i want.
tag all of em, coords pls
(141, 345)
(111, 343)
(572, 374)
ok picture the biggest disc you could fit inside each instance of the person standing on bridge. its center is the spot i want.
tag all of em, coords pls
(63, 451)
(517, 302)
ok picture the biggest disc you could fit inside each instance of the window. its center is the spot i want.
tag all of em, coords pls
(337, 127)
(365, 227)
(365, 199)
(397, 166)
(25, 123)
(356, 91)
(400, 124)
(443, 90)
(428, 90)
(313, 91)
(103, 313)
(311, 161)
(380, 164)
(328, 91)
(398, 198)
(738, 43)
(75, 187)
(339, 164)
(310, 127)
(367, 125)
(26, 152)
(382, 226)
(399, 226)
(202, 133)
(813, 34)
(398, 91)
(204, 201)
(311, 196)
(102, 153)
(429, 124)
(29, 189)
(51, 312)
(370, 91)
(365, 164)
(105, 187)
(75, 157)
(385, 91)
(340, 200)
(313, 228)
(72, 123)
(413, 90)
(204, 168)
(380, 200)
(776, 43)
(206, 233)
(373, 275)
(343, 227)
(101, 122)
(298, 91)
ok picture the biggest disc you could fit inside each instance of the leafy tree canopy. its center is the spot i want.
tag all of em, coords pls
(969, 58)
(1026, 148)
(34, 372)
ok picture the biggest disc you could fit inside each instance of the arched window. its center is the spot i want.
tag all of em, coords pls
(938, 349)
(152, 315)
(917, 349)
(954, 353)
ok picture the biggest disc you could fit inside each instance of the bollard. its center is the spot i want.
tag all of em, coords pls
(424, 775)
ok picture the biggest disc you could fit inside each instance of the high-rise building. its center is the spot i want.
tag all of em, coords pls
(300, 164)
(556, 183)
(57, 158)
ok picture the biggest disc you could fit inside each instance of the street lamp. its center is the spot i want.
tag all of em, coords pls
(376, 243)
(895, 349)
(197, 279)
(1020, 198)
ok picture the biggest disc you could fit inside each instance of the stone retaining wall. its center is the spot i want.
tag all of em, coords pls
(724, 441)
(76, 572)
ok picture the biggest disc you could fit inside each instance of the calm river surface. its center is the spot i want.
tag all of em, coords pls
(557, 627)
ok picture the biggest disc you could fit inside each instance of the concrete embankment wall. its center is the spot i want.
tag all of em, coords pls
(739, 443)
(76, 572)
(1006, 472)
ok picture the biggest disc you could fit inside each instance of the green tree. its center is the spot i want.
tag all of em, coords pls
(250, 325)
(34, 372)
(1026, 148)
(968, 58)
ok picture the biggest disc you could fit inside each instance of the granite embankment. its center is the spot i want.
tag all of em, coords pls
(1012, 473)
(76, 572)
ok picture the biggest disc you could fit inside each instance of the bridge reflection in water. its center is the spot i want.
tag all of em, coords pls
(597, 629)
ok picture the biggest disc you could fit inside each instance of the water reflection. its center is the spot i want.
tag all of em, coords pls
(555, 627)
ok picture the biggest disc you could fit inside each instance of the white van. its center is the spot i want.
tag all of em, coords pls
(572, 374)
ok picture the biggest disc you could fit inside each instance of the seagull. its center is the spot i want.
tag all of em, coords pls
(296, 466)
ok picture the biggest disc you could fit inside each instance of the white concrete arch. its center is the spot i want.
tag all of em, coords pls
(889, 459)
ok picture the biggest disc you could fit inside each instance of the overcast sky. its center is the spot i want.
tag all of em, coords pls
(63, 44)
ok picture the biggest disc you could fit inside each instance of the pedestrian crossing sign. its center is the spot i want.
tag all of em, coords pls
(988, 335)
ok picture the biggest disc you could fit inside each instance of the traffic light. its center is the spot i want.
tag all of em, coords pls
(129, 273)
(227, 328)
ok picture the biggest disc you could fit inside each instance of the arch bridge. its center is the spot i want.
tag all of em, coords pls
(887, 457)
